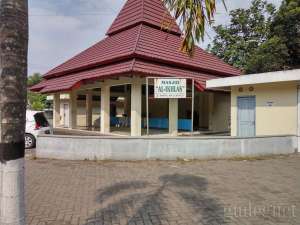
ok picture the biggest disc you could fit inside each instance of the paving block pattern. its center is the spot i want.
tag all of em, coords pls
(260, 192)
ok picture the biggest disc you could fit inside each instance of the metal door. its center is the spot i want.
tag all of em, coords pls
(246, 116)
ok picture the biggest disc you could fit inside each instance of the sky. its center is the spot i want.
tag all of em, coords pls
(60, 29)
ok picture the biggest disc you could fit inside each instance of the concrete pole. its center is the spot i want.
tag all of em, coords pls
(173, 116)
(73, 110)
(210, 110)
(56, 110)
(105, 109)
(136, 107)
(89, 109)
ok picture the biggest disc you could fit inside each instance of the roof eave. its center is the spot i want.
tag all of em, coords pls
(251, 79)
(139, 56)
(113, 32)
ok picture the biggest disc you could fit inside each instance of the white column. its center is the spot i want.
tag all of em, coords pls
(136, 107)
(173, 116)
(127, 102)
(89, 109)
(210, 110)
(56, 110)
(73, 110)
(105, 109)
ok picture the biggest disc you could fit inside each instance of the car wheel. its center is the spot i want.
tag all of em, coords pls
(29, 141)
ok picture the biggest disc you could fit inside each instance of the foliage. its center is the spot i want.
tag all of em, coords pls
(35, 101)
(270, 56)
(34, 79)
(248, 29)
(282, 49)
(193, 15)
(260, 39)
(286, 26)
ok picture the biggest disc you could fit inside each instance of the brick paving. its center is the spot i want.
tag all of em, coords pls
(261, 192)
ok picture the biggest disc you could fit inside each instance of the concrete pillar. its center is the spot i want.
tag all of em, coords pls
(136, 107)
(127, 102)
(89, 109)
(73, 110)
(105, 109)
(210, 110)
(173, 117)
(56, 110)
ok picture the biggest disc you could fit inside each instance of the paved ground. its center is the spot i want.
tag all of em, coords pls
(262, 192)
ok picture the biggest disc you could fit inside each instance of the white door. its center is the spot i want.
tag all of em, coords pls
(246, 116)
(66, 114)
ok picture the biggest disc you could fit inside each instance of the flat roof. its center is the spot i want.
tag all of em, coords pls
(261, 78)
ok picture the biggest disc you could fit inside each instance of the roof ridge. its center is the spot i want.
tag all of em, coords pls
(137, 38)
(133, 64)
(152, 12)
(143, 7)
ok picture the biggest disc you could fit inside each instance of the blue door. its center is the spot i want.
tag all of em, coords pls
(246, 116)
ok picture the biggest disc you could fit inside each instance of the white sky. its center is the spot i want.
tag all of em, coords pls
(59, 29)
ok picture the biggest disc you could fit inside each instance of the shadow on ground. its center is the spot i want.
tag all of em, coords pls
(172, 199)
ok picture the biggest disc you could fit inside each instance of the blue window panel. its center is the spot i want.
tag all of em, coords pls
(163, 123)
(159, 123)
(184, 124)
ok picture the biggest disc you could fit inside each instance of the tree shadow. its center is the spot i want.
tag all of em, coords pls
(118, 188)
(176, 197)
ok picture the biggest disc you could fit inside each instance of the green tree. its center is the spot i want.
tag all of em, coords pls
(193, 16)
(36, 101)
(248, 29)
(34, 79)
(272, 55)
(286, 26)
(282, 49)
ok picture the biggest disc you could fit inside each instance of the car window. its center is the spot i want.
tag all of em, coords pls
(41, 120)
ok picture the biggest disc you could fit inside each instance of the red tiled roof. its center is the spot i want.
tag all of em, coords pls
(162, 47)
(158, 69)
(113, 48)
(139, 67)
(151, 12)
(137, 44)
(147, 43)
(67, 82)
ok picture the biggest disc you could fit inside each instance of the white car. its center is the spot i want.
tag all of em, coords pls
(36, 123)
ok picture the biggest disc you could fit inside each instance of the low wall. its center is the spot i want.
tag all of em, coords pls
(123, 148)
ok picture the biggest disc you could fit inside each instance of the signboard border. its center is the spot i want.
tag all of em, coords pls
(171, 95)
(193, 98)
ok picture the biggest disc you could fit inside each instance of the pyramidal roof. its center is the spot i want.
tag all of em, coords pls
(150, 12)
(137, 44)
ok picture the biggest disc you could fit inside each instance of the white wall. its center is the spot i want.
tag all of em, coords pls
(276, 108)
